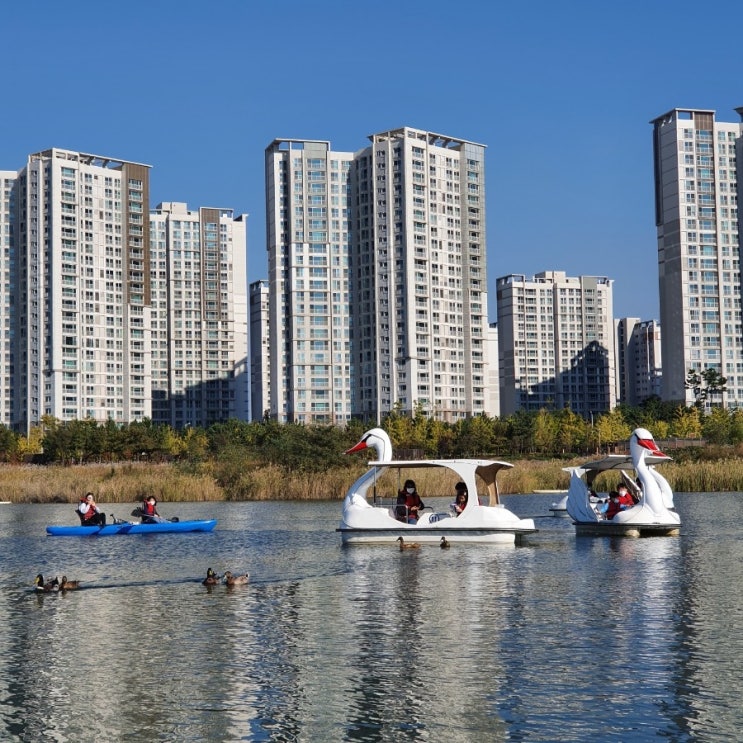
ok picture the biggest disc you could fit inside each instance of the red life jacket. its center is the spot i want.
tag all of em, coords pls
(149, 509)
(89, 513)
(613, 509)
(413, 500)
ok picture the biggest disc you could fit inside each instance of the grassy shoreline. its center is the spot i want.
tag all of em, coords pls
(130, 482)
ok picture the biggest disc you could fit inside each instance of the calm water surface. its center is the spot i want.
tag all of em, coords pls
(563, 639)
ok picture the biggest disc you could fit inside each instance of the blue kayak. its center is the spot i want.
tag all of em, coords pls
(129, 527)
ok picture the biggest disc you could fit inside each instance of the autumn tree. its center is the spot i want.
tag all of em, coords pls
(716, 427)
(686, 423)
(545, 432)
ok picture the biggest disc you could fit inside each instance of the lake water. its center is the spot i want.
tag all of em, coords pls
(562, 639)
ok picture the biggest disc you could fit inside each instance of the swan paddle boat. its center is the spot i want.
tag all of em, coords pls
(560, 508)
(653, 514)
(132, 527)
(364, 522)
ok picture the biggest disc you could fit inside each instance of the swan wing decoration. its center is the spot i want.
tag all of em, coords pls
(665, 488)
(579, 506)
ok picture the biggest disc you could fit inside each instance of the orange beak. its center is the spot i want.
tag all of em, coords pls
(358, 447)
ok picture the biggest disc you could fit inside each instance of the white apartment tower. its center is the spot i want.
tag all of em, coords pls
(308, 228)
(697, 187)
(419, 299)
(8, 331)
(377, 276)
(82, 289)
(198, 276)
(492, 396)
(260, 350)
(556, 343)
(638, 360)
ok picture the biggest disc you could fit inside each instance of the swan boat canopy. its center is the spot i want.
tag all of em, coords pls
(363, 522)
(652, 515)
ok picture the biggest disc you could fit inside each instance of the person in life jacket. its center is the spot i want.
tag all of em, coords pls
(149, 511)
(89, 512)
(625, 497)
(615, 506)
(413, 502)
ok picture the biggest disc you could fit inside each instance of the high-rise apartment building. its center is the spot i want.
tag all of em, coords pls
(8, 265)
(638, 360)
(492, 389)
(260, 350)
(82, 290)
(556, 343)
(377, 277)
(199, 308)
(697, 188)
(419, 276)
(308, 227)
(113, 313)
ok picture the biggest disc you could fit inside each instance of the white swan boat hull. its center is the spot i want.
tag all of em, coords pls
(375, 525)
(560, 507)
(653, 515)
(363, 522)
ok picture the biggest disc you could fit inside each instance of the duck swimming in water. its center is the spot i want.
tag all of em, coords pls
(68, 585)
(236, 580)
(410, 546)
(445, 543)
(212, 579)
(48, 587)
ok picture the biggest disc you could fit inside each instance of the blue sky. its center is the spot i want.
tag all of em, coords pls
(561, 93)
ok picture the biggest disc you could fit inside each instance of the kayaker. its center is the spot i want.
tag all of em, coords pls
(89, 512)
(149, 511)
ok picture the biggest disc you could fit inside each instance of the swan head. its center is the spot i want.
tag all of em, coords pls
(377, 439)
(641, 443)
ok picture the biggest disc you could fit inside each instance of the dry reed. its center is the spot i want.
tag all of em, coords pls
(111, 483)
(130, 482)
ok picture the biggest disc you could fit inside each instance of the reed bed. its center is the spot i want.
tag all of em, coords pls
(131, 482)
(111, 483)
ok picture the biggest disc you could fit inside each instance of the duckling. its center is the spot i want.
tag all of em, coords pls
(68, 585)
(212, 579)
(235, 580)
(445, 543)
(48, 587)
(411, 546)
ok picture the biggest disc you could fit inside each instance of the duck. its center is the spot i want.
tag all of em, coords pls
(445, 543)
(410, 546)
(212, 579)
(48, 587)
(68, 585)
(236, 580)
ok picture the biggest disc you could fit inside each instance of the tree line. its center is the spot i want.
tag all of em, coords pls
(542, 433)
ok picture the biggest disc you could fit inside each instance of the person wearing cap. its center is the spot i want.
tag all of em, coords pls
(149, 511)
(460, 500)
(89, 512)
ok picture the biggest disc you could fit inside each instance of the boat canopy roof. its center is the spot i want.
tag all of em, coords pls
(591, 470)
(466, 469)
